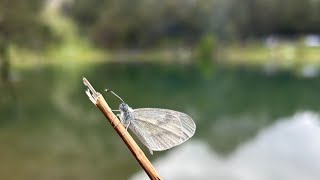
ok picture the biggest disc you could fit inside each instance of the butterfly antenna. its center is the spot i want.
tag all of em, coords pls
(108, 90)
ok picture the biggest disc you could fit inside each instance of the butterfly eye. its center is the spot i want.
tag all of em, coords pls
(123, 106)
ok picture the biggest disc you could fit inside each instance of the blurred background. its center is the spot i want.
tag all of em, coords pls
(246, 71)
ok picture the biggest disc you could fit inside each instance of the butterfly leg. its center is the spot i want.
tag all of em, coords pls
(127, 126)
(119, 117)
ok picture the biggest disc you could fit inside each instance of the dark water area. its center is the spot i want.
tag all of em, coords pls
(51, 130)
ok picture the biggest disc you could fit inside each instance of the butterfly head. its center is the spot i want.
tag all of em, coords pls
(123, 107)
(126, 113)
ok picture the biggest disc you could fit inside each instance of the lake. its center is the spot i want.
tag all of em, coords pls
(250, 124)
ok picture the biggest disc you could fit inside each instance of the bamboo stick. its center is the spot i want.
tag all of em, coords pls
(100, 102)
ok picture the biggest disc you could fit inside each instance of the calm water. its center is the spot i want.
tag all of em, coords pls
(50, 130)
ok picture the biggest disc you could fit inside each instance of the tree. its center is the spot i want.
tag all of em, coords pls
(21, 25)
(140, 23)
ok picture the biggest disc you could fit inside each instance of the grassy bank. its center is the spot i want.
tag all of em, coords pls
(285, 56)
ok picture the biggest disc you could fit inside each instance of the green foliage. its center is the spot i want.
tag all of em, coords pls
(140, 23)
(287, 17)
(21, 24)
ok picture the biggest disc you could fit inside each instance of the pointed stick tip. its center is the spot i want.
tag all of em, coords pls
(85, 81)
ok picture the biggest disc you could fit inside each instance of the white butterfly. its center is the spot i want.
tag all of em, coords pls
(158, 129)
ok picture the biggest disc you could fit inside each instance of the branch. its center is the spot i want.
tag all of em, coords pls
(97, 99)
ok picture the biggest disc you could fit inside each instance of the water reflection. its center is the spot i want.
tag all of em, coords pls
(52, 130)
(289, 150)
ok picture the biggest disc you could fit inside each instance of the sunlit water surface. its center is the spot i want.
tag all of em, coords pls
(288, 150)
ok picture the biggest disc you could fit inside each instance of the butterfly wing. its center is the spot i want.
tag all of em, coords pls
(161, 129)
